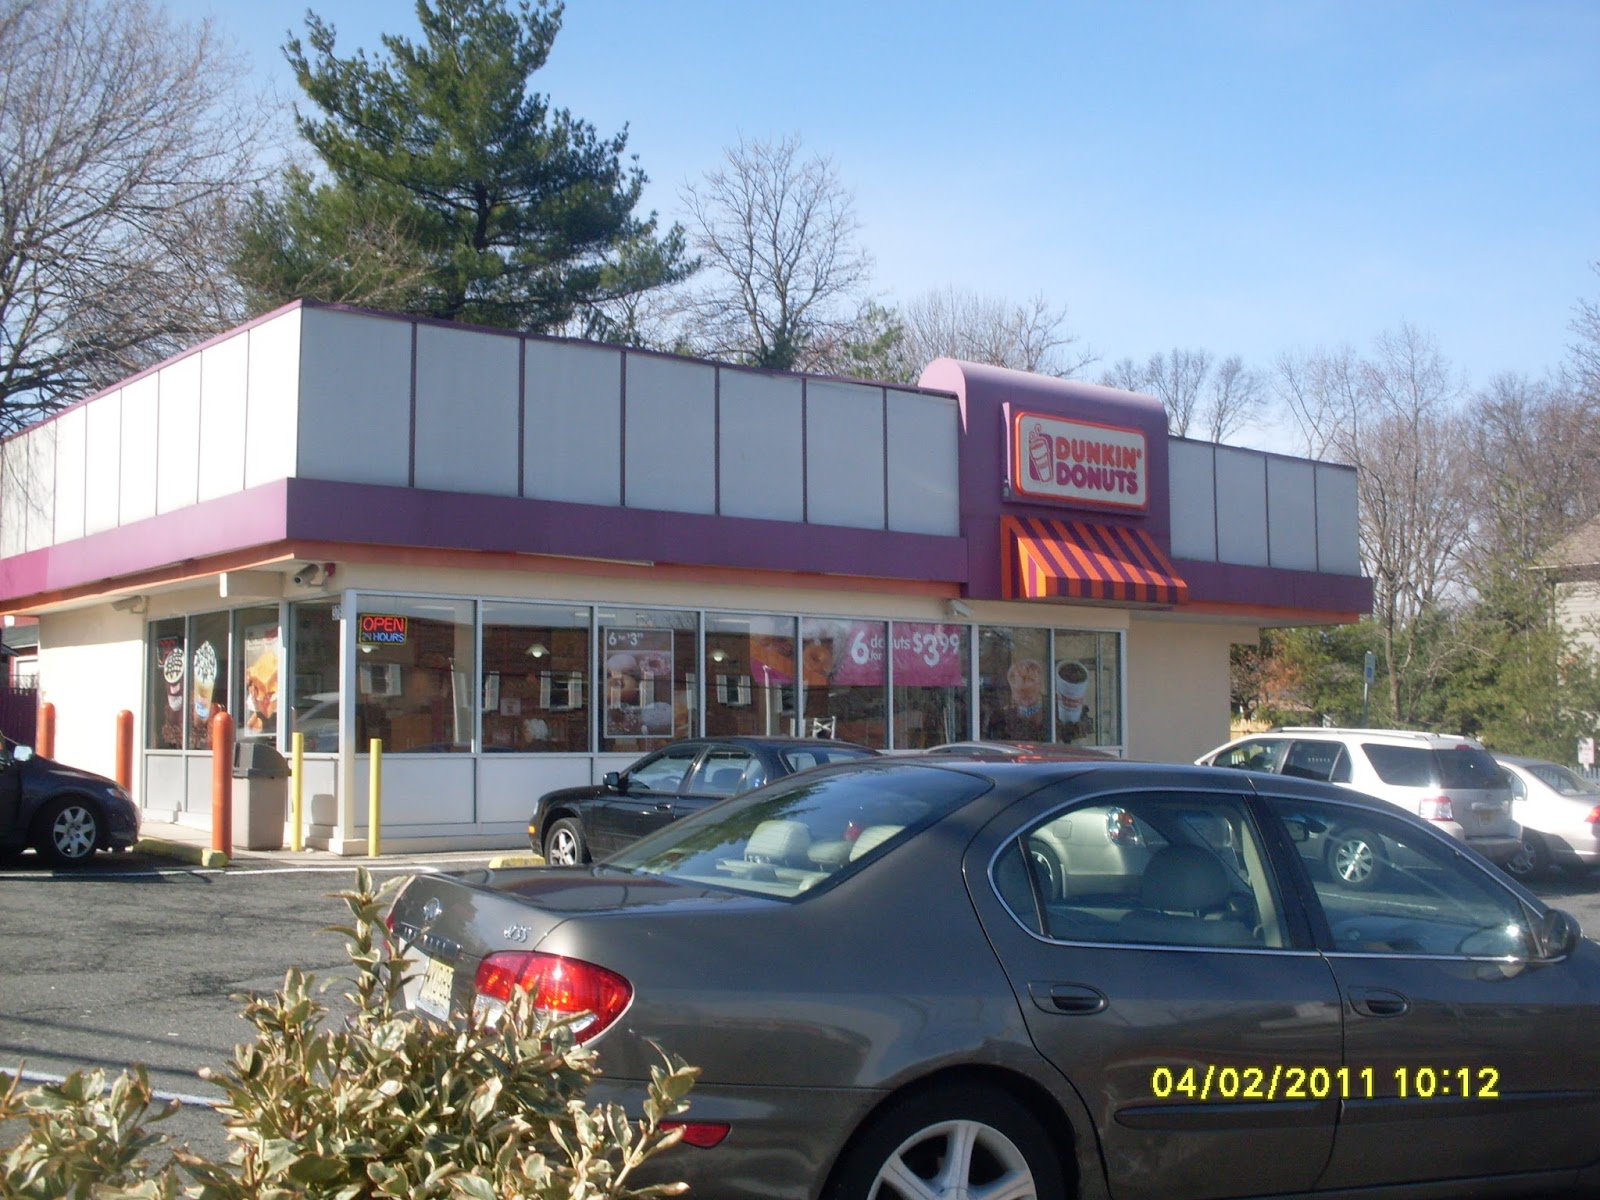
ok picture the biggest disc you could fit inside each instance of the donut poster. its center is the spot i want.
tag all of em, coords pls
(638, 680)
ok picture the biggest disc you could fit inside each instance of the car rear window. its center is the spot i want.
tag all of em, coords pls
(1469, 768)
(814, 756)
(1402, 766)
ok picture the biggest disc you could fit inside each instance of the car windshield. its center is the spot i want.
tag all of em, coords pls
(802, 832)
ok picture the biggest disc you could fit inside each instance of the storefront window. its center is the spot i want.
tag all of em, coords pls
(931, 689)
(647, 661)
(316, 675)
(167, 661)
(416, 675)
(750, 675)
(258, 652)
(536, 695)
(1011, 683)
(1086, 686)
(208, 674)
(844, 670)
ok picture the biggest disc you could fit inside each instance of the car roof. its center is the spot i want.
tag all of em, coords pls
(1436, 740)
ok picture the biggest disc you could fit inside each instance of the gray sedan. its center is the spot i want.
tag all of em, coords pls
(892, 994)
(1559, 811)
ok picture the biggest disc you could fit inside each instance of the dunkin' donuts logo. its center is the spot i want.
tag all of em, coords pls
(1079, 462)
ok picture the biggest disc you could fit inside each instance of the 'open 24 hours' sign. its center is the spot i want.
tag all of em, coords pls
(1079, 462)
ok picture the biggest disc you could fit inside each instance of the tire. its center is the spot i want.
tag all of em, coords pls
(1355, 859)
(67, 832)
(1534, 861)
(564, 844)
(904, 1151)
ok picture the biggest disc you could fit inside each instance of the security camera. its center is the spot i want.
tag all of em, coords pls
(311, 575)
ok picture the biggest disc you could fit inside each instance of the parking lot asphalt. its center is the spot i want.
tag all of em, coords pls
(193, 845)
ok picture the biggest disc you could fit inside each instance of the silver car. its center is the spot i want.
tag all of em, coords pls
(1559, 811)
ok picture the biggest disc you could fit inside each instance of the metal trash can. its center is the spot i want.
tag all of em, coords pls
(260, 796)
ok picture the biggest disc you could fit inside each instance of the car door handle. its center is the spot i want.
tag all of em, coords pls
(1378, 1002)
(1075, 998)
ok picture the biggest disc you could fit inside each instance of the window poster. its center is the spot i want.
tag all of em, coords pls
(261, 679)
(639, 674)
(172, 664)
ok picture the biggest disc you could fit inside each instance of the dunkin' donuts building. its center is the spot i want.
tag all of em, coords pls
(522, 562)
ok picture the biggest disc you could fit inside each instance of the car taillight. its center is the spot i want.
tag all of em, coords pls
(1437, 808)
(1120, 829)
(1594, 815)
(704, 1134)
(557, 985)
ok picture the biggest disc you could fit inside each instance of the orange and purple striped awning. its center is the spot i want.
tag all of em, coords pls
(1083, 560)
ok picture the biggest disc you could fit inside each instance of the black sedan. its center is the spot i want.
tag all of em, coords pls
(63, 813)
(935, 1013)
(579, 824)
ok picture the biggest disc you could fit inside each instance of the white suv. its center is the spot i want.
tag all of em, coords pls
(1452, 781)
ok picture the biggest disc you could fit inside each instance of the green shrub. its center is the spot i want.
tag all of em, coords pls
(378, 1104)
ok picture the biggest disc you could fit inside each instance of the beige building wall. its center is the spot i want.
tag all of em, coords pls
(1578, 610)
(90, 662)
(1178, 686)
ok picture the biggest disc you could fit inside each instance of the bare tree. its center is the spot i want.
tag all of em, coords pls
(783, 272)
(1203, 398)
(1585, 352)
(954, 323)
(1321, 390)
(122, 154)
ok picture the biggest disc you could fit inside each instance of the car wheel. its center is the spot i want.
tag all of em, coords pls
(564, 845)
(1534, 860)
(950, 1142)
(1355, 859)
(67, 832)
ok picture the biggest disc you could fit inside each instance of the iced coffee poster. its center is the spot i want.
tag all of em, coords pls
(203, 666)
(261, 679)
(638, 668)
(171, 666)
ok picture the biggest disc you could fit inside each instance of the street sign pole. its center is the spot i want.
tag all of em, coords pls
(1369, 669)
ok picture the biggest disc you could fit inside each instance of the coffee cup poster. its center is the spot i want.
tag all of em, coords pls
(638, 682)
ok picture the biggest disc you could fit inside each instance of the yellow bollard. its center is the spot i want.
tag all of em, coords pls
(375, 799)
(297, 794)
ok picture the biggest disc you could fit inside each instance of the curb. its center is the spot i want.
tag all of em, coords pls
(502, 861)
(182, 851)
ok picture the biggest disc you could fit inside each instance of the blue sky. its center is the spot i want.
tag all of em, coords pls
(1241, 177)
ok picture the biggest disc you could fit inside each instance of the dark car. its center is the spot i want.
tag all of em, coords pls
(63, 813)
(580, 824)
(939, 1013)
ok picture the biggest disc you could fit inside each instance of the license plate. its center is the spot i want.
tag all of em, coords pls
(433, 997)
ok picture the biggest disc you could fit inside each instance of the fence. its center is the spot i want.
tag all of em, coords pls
(19, 713)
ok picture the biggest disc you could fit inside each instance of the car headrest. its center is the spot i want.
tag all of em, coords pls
(1184, 879)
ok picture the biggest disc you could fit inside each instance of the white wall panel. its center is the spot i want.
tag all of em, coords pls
(760, 441)
(572, 433)
(467, 411)
(41, 443)
(1192, 486)
(71, 431)
(1241, 507)
(178, 450)
(141, 414)
(416, 791)
(355, 398)
(1292, 514)
(669, 443)
(1338, 528)
(271, 426)
(505, 782)
(14, 481)
(224, 383)
(923, 463)
(103, 462)
(844, 454)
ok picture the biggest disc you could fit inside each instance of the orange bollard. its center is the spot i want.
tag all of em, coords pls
(222, 782)
(46, 740)
(125, 749)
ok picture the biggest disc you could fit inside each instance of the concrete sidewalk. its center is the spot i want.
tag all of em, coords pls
(186, 843)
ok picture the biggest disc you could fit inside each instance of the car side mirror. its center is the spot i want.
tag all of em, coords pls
(1558, 934)
(613, 782)
(1299, 831)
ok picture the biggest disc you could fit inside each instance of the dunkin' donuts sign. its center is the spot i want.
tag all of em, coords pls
(1078, 462)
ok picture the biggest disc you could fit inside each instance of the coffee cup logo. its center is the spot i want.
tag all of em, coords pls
(1072, 687)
